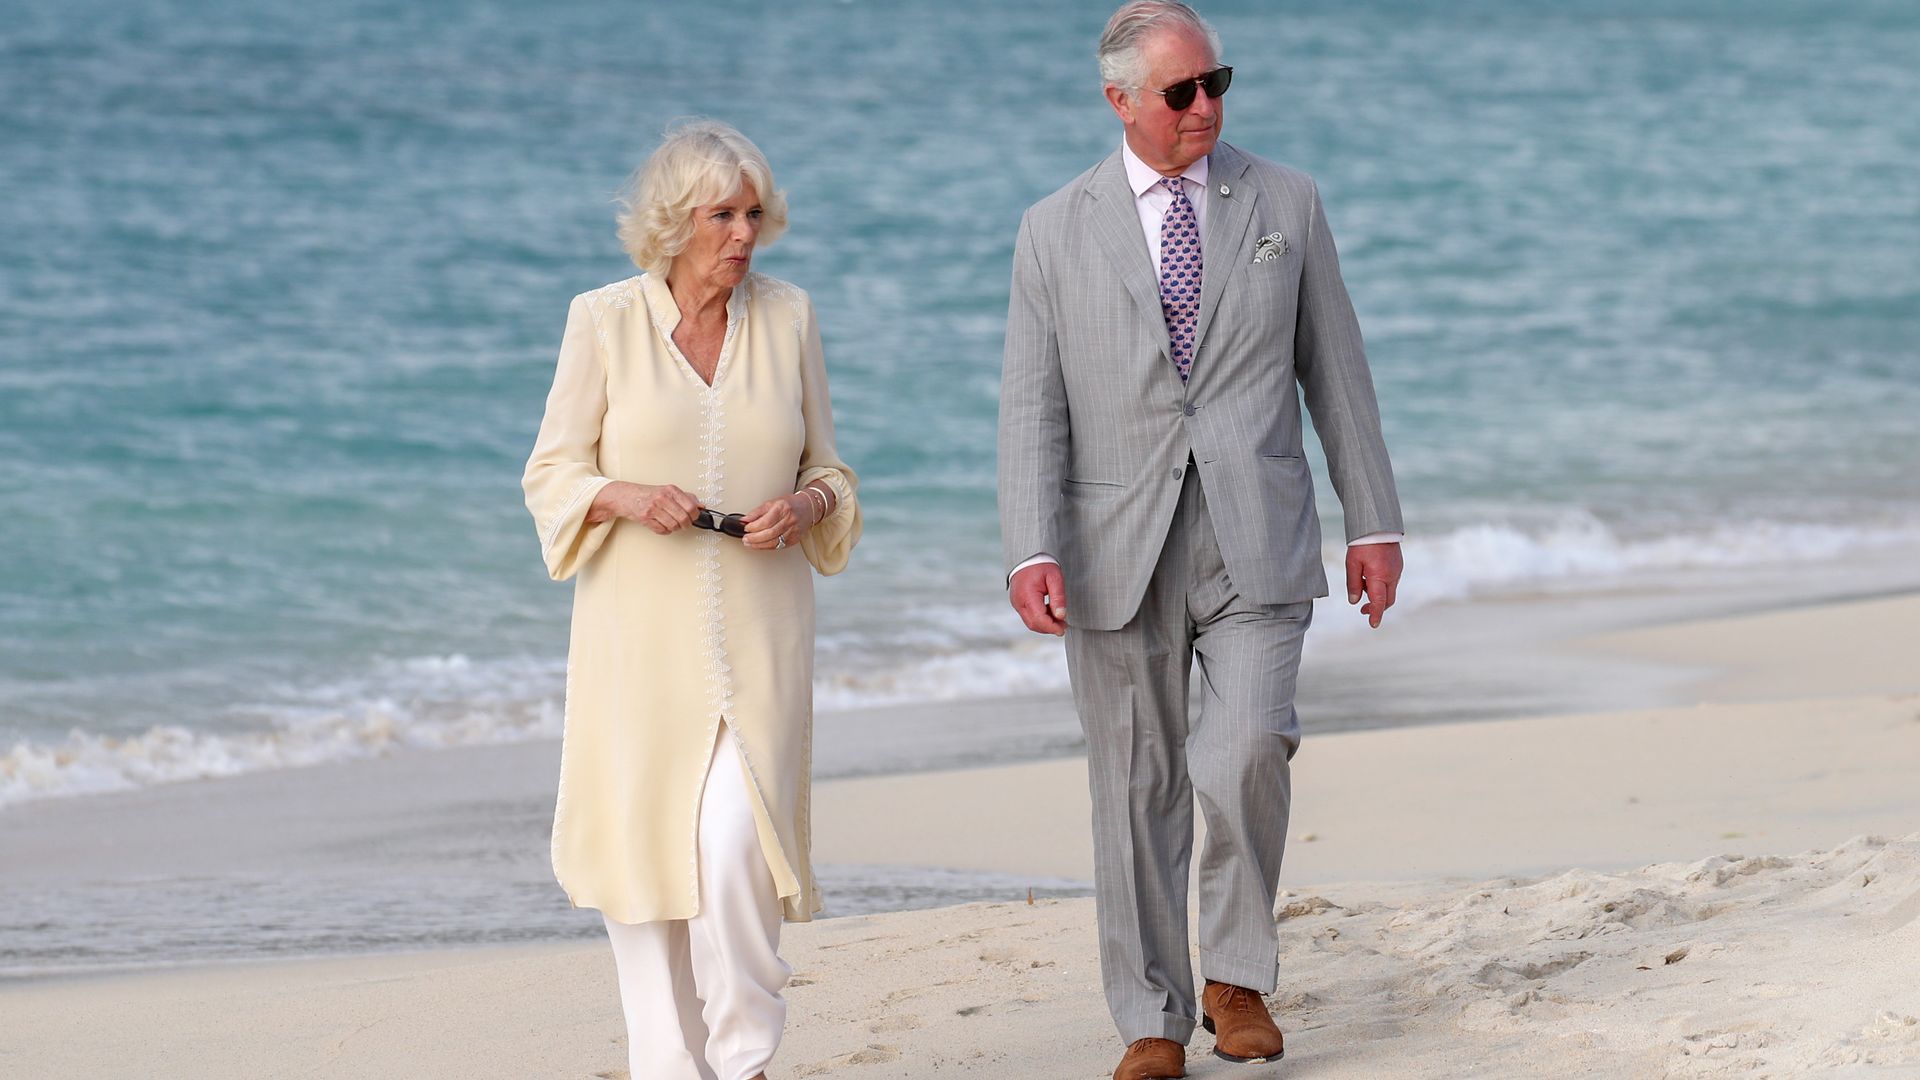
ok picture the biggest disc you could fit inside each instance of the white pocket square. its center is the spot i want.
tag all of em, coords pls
(1269, 247)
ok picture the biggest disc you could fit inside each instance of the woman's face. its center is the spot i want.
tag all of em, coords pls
(721, 248)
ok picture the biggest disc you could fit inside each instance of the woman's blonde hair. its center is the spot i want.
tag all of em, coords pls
(698, 163)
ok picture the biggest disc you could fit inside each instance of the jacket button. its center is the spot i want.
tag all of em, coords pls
(1191, 409)
(1176, 474)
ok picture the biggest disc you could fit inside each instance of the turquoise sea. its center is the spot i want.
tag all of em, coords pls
(282, 286)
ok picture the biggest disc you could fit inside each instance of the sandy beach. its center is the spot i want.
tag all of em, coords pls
(1726, 887)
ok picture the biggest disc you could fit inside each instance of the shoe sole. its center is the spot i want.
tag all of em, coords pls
(1207, 1022)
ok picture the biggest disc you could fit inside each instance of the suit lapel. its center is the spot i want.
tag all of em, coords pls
(1224, 248)
(1116, 222)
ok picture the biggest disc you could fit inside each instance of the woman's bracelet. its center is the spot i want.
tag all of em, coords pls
(815, 493)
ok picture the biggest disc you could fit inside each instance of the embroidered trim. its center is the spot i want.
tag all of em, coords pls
(620, 294)
(581, 492)
(736, 314)
(712, 492)
(714, 628)
(796, 298)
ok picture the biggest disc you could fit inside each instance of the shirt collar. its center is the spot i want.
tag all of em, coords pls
(1141, 176)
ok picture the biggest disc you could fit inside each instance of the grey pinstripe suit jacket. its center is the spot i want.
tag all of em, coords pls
(1095, 424)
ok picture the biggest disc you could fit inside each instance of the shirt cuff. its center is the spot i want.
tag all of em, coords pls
(1035, 561)
(1377, 538)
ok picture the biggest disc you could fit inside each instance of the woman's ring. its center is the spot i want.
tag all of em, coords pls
(782, 542)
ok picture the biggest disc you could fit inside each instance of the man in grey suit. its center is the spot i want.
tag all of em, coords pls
(1164, 305)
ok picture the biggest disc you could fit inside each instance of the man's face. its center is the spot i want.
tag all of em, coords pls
(1170, 141)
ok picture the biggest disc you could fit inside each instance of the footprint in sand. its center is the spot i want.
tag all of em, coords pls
(871, 1054)
(895, 997)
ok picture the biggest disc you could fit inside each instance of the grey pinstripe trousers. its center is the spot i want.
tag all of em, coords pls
(1148, 762)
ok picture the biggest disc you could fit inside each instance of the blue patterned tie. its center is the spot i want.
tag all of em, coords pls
(1180, 274)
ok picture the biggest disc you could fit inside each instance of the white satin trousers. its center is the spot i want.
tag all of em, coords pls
(702, 995)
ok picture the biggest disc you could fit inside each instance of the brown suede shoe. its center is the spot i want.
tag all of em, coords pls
(1153, 1059)
(1242, 1028)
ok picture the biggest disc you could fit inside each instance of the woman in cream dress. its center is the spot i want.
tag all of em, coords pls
(688, 392)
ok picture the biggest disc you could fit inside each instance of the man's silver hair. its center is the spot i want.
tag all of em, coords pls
(1122, 63)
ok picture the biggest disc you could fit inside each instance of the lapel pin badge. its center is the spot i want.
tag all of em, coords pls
(1225, 190)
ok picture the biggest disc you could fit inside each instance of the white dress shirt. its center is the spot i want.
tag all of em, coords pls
(1151, 198)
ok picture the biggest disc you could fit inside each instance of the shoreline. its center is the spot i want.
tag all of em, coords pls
(1444, 659)
(296, 861)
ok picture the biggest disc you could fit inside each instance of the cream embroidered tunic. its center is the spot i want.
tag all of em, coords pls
(678, 640)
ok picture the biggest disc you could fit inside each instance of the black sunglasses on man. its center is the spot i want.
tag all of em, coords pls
(1180, 95)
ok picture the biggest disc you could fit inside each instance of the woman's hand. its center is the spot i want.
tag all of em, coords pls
(664, 508)
(785, 518)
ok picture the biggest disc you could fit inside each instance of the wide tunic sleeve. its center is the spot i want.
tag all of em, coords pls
(563, 474)
(829, 543)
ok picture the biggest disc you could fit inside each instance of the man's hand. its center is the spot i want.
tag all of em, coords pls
(1373, 570)
(1039, 594)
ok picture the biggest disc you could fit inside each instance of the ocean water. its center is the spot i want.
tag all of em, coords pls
(282, 286)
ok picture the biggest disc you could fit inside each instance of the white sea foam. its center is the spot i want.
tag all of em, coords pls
(1020, 664)
(990, 655)
(1578, 552)
(421, 703)
(954, 653)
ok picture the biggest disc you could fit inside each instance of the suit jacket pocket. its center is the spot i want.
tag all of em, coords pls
(1286, 480)
(1281, 275)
